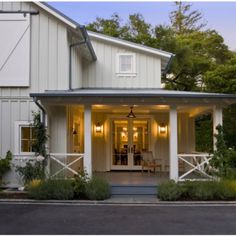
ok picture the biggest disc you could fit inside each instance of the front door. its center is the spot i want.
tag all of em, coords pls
(129, 138)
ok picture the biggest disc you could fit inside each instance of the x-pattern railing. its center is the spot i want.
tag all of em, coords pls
(66, 165)
(196, 162)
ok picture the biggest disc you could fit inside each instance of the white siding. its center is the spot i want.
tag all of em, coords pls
(49, 52)
(49, 70)
(102, 73)
(58, 129)
(12, 110)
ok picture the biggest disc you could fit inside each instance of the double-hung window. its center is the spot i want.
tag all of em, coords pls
(25, 138)
(126, 64)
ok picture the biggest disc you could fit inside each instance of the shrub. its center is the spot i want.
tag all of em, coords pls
(208, 190)
(205, 191)
(31, 171)
(5, 164)
(97, 189)
(79, 184)
(169, 191)
(52, 189)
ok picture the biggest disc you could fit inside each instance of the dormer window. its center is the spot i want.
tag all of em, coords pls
(126, 64)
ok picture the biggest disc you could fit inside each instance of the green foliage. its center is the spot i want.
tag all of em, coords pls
(203, 134)
(31, 171)
(97, 189)
(203, 191)
(52, 189)
(41, 136)
(5, 164)
(229, 121)
(110, 26)
(79, 184)
(224, 159)
(169, 191)
(221, 79)
(184, 20)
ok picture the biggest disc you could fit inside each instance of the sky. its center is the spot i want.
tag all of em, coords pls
(220, 16)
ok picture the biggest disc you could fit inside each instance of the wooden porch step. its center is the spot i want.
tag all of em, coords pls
(133, 189)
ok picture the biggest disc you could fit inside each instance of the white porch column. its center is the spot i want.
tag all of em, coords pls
(217, 120)
(173, 144)
(88, 139)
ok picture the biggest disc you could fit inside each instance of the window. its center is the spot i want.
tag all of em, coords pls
(27, 138)
(24, 137)
(126, 64)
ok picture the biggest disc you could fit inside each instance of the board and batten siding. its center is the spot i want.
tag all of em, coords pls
(49, 52)
(102, 73)
(49, 70)
(12, 110)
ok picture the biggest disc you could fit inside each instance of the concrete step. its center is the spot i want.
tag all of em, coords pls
(134, 190)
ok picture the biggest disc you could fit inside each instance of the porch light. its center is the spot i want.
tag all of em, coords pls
(98, 128)
(131, 114)
(74, 132)
(162, 128)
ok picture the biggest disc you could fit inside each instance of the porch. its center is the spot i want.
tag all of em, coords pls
(95, 124)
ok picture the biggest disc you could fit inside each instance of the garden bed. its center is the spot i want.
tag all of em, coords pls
(13, 194)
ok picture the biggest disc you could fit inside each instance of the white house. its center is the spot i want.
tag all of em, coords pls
(85, 84)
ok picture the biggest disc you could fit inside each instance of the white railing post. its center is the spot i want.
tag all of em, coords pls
(217, 120)
(173, 144)
(88, 139)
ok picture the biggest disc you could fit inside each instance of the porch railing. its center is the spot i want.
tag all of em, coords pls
(64, 165)
(195, 164)
(59, 165)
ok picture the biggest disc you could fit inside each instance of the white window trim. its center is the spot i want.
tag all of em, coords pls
(133, 72)
(17, 132)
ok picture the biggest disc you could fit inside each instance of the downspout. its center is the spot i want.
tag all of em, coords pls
(42, 109)
(70, 59)
(88, 44)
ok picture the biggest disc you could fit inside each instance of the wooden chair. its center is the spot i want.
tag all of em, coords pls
(149, 162)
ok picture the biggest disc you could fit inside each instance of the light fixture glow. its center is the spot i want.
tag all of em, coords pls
(162, 128)
(98, 128)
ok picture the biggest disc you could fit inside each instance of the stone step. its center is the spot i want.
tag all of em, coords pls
(134, 190)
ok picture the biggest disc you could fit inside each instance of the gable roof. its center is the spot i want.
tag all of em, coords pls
(166, 57)
(70, 23)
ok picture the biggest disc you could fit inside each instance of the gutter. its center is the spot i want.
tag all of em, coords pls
(41, 108)
(88, 42)
(168, 65)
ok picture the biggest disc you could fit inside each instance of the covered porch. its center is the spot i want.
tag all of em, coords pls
(93, 125)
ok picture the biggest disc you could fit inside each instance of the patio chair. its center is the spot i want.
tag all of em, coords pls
(149, 162)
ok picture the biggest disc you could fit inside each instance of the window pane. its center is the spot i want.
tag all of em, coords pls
(25, 146)
(125, 63)
(25, 132)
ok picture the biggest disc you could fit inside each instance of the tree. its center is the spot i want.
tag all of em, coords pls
(110, 26)
(138, 31)
(184, 21)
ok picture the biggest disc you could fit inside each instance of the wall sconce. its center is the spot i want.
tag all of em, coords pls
(74, 132)
(98, 128)
(162, 128)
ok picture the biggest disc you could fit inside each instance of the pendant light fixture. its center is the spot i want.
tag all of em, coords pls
(131, 114)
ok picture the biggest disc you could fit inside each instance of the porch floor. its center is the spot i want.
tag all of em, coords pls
(133, 177)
